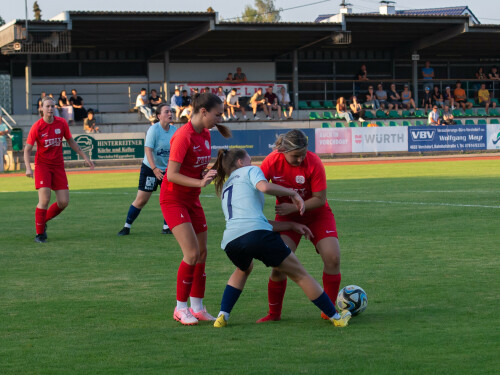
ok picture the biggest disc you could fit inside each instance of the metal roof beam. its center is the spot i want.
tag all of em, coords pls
(186, 37)
(404, 20)
(440, 37)
(279, 27)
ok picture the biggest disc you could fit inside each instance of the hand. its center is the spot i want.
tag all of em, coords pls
(208, 177)
(299, 202)
(302, 229)
(29, 171)
(158, 174)
(90, 163)
(285, 209)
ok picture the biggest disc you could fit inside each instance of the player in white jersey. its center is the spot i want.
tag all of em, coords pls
(250, 235)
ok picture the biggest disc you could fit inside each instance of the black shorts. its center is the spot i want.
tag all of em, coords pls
(264, 245)
(147, 179)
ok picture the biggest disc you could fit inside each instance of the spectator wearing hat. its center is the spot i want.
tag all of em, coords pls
(427, 99)
(406, 98)
(448, 97)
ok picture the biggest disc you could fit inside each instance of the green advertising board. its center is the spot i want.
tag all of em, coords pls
(107, 146)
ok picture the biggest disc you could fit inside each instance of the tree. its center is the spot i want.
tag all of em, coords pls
(37, 11)
(264, 11)
(2, 22)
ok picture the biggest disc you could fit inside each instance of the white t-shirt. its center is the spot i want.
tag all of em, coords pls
(232, 99)
(434, 116)
(138, 101)
(221, 96)
(283, 99)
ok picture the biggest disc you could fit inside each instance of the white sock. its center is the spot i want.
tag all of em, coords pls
(196, 304)
(127, 225)
(336, 316)
(226, 315)
(182, 305)
(165, 226)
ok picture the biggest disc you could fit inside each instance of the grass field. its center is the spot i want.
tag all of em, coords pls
(422, 239)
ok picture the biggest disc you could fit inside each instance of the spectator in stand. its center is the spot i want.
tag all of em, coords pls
(448, 117)
(272, 102)
(229, 77)
(493, 74)
(394, 98)
(186, 100)
(428, 72)
(66, 108)
(208, 90)
(233, 104)
(89, 125)
(141, 104)
(461, 97)
(408, 101)
(77, 103)
(362, 74)
(284, 102)
(202, 90)
(176, 104)
(186, 113)
(256, 101)
(434, 118)
(448, 97)
(222, 96)
(381, 95)
(484, 97)
(239, 75)
(4, 131)
(371, 98)
(154, 100)
(427, 99)
(437, 97)
(357, 111)
(342, 110)
(480, 74)
(42, 95)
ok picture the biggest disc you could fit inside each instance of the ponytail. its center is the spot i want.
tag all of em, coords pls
(224, 130)
(208, 101)
(224, 165)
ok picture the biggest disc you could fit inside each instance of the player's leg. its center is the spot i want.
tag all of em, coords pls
(41, 213)
(62, 201)
(329, 250)
(134, 210)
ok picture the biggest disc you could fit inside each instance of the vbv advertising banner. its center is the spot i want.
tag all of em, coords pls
(493, 137)
(377, 139)
(447, 138)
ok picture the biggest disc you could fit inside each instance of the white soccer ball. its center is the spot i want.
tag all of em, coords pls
(352, 298)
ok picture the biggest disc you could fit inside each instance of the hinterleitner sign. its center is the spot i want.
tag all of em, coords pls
(107, 146)
(447, 138)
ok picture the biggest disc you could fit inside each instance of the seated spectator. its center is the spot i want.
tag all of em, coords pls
(371, 98)
(67, 112)
(239, 75)
(437, 97)
(362, 74)
(461, 97)
(222, 96)
(154, 100)
(434, 117)
(406, 98)
(427, 98)
(4, 131)
(493, 74)
(448, 117)
(195, 91)
(394, 98)
(480, 74)
(358, 113)
(272, 102)
(229, 77)
(89, 125)
(202, 90)
(284, 102)
(77, 103)
(233, 104)
(484, 97)
(448, 97)
(381, 95)
(259, 100)
(141, 103)
(42, 95)
(207, 89)
(342, 110)
(187, 113)
(176, 103)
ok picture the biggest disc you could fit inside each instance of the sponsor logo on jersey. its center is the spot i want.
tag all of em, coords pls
(330, 231)
(196, 148)
(44, 135)
(277, 178)
(202, 161)
(53, 142)
(300, 179)
(57, 131)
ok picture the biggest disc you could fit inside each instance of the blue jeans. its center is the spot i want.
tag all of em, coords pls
(146, 111)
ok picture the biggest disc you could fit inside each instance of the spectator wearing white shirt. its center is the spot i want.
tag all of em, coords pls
(284, 102)
(434, 117)
(142, 105)
(233, 104)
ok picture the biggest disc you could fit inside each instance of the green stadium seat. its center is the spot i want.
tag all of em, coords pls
(326, 125)
(482, 112)
(339, 125)
(394, 114)
(364, 124)
(380, 123)
(353, 124)
(419, 123)
(328, 104)
(406, 123)
(469, 112)
(469, 122)
(328, 116)
(406, 113)
(303, 105)
(494, 121)
(380, 114)
(474, 104)
(457, 113)
(314, 116)
(393, 123)
(458, 122)
(495, 100)
(369, 115)
(481, 121)
(494, 112)
(315, 104)
(419, 113)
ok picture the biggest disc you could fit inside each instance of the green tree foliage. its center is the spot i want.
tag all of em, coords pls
(263, 11)
(2, 22)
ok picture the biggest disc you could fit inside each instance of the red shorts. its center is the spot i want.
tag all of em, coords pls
(178, 210)
(50, 176)
(321, 222)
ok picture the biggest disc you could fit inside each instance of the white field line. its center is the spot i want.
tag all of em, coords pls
(412, 203)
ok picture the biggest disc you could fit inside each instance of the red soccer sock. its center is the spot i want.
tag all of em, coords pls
(184, 281)
(331, 284)
(53, 211)
(276, 292)
(40, 219)
(199, 281)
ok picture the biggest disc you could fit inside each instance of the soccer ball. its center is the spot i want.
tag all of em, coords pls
(352, 298)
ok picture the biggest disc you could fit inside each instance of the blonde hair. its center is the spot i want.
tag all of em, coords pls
(291, 141)
(224, 165)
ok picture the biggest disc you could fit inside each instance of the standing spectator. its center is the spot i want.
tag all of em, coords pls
(154, 100)
(284, 102)
(371, 98)
(89, 125)
(427, 99)
(448, 117)
(239, 75)
(258, 100)
(342, 110)
(229, 77)
(428, 72)
(272, 101)
(493, 74)
(222, 96)
(461, 97)
(437, 97)
(357, 111)
(66, 108)
(142, 105)
(381, 95)
(480, 74)
(394, 98)
(448, 97)
(77, 103)
(408, 101)
(176, 104)
(362, 74)
(233, 104)
(484, 97)
(434, 118)
(4, 130)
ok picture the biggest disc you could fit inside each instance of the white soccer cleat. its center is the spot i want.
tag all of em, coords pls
(202, 315)
(185, 317)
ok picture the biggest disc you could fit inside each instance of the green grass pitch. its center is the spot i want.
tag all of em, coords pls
(423, 240)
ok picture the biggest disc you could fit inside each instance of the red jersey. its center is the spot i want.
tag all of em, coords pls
(309, 177)
(49, 140)
(193, 151)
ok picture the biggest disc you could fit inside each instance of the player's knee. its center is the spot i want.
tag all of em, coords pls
(62, 204)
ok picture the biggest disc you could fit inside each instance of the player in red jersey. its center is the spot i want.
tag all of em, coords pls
(48, 134)
(190, 153)
(291, 165)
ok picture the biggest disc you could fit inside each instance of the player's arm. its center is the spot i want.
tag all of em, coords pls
(280, 191)
(282, 226)
(318, 199)
(174, 175)
(27, 159)
(157, 171)
(78, 150)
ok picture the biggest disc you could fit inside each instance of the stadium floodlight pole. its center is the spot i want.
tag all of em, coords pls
(27, 70)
